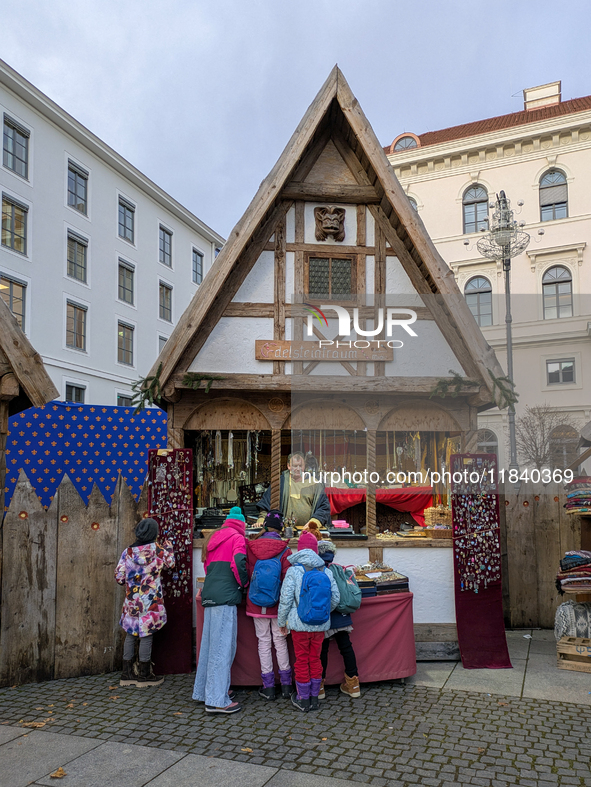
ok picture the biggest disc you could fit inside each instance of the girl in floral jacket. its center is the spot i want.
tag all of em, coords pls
(139, 568)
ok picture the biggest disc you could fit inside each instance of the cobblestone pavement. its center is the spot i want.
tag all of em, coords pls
(393, 736)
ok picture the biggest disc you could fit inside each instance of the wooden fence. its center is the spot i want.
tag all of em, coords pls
(60, 606)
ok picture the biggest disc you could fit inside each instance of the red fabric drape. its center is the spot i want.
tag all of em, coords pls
(412, 500)
(383, 638)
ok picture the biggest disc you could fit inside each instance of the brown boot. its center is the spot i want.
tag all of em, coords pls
(146, 675)
(351, 686)
(128, 674)
(322, 693)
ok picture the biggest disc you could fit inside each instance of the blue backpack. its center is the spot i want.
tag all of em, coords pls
(265, 583)
(315, 597)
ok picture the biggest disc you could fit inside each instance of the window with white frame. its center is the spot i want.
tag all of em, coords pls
(13, 294)
(475, 209)
(161, 342)
(413, 204)
(126, 282)
(553, 196)
(14, 224)
(478, 294)
(165, 247)
(557, 293)
(123, 400)
(126, 220)
(487, 442)
(125, 344)
(77, 257)
(405, 143)
(76, 326)
(15, 147)
(560, 372)
(77, 188)
(75, 393)
(165, 307)
(197, 266)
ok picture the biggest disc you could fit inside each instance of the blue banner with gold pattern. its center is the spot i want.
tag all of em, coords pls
(91, 443)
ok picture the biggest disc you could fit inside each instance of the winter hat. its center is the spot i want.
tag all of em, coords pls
(236, 513)
(308, 541)
(146, 531)
(326, 546)
(273, 520)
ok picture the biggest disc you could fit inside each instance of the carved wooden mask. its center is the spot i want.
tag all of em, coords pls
(330, 221)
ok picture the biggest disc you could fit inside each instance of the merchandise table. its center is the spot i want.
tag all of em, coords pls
(412, 500)
(383, 638)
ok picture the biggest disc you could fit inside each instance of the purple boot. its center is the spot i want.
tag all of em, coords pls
(300, 699)
(314, 692)
(267, 690)
(285, 678)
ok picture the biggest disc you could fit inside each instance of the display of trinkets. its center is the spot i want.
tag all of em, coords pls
(170, 502)
(475, 517)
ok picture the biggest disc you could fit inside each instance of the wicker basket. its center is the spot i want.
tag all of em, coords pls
(438, 515)
(438, 533)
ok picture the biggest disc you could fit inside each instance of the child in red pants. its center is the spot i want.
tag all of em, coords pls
(307, 638)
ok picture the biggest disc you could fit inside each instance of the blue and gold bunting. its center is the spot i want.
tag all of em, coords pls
(91, 443)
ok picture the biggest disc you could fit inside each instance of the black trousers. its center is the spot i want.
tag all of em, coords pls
(343, 640)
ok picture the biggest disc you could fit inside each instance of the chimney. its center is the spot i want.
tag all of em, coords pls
(541, 96)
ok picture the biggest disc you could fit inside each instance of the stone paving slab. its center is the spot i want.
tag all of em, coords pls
(489, 681)
(197, 771)
(293, 779)
(32, 756)
(115, 763)
(9, 733)
(432, 673)
(545, 681)
(393, 736)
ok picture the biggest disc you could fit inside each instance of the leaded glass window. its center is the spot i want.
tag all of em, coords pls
(330, 277)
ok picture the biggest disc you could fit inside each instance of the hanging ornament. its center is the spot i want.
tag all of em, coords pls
(248, 448)
(230, 449)
(218, 448)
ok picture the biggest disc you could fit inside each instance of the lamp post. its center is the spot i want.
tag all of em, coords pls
(505, 241)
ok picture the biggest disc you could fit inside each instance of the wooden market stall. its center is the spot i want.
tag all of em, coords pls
(258, 366)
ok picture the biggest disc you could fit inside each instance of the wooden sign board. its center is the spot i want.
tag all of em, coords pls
(275, 350)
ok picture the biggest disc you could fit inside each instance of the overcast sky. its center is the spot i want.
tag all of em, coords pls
(202, 95)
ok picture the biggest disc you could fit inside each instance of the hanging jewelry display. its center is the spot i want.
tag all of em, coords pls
(170, 502)
(475, 516)
(248, 449)
(230, 450)
(218, 448)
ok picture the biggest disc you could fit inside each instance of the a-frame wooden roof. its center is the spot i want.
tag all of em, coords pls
(21, 368)
(334, 115)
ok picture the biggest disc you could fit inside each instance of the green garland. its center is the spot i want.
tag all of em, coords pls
(193, 380)
(507, 396)
(443, 385)
(146, 391)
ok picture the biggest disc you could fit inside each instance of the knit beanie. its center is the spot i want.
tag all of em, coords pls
(326, 546)
(308, 541)
(273, 520)
(236, 513)
(146, 531)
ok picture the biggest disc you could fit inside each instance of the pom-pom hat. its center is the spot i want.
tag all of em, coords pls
(236, 513)
(308, 541)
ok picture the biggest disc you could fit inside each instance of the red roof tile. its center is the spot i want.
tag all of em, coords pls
(502, 122)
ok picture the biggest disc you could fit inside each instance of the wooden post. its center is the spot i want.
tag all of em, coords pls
(275, 467)
(279, 310)
(175, 438)
(298, 278)
(370, 503)
(379, 287)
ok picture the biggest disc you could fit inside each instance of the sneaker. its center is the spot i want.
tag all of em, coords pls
(233, 707)
(286, 691)
(300, 704)
(267, 694)
(314, 703)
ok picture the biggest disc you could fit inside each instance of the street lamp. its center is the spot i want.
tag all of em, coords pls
(505, 241)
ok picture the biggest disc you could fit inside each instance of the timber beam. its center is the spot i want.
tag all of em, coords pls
(331, 192)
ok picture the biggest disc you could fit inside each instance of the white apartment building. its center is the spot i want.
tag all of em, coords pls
(96, 261)
(541, 158)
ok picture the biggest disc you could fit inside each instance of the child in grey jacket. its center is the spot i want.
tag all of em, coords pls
(307, 638)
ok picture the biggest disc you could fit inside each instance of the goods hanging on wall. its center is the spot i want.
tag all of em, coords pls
(170, 502)
(477, 561)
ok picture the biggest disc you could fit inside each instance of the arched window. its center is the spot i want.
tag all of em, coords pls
(553, 196)
(478, 293)
(405, 143)
(413, 202)
(475, 206)
(487, 442)
(557, 288)
(564, 440)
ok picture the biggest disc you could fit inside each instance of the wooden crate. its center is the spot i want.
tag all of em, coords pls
(574, 653)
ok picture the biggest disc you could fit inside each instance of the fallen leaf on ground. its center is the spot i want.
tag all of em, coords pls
(35, 724)
(38, 708)
(481, 750)
(85, 704)
(50, 711)
(71, 705)
(177, 714)
(248, 750)
(424, 735)
(505, 704)
(324, 739)
(116, 697)
(112, 687)
(59, 774)
(50, 706)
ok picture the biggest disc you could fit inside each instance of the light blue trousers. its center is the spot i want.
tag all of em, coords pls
(216, 654)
